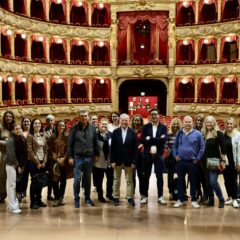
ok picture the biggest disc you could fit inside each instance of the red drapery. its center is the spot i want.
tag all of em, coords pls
(97, 45)
(5, 44)
(57, 15)
(38, 88)
(179, 5)
(20, 46)
(108, 10)
(55, 41)
(76, 42)
(231, 12)
(79, 90)
(184, 88)
(19, 6)
(210, 41)
(158, 22)
(208, 11)
(207, 89)
(38, 8)
(58, 90)
(84, 6)
(36, 39)
(185, 55)
(230, 39)
(228, 89)
(101, 90)
(21, 89)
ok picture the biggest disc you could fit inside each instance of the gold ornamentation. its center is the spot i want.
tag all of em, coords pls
(142, 4)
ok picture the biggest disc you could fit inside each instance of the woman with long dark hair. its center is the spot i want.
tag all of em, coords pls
(8, 121)
(57, 157)
(37, 155)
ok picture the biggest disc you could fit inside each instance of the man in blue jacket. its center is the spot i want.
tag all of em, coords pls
(154, 136)
(188, 149)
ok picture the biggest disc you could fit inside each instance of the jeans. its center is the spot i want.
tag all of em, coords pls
(214, 185)
(82, 165)
(60, 186)
(190, 168)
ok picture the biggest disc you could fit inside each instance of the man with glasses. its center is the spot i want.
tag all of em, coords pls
(154, 136)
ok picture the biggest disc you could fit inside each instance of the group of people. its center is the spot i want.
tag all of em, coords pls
(94, 147)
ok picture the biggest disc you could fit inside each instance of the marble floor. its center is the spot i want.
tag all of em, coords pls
(104, 221)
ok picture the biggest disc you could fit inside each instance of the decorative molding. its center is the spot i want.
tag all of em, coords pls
(141, 5)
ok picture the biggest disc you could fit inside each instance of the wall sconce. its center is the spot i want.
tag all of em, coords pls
(23, 35)
(142, 46)
(102, 81)
(9, 32)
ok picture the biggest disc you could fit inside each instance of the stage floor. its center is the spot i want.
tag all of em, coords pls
(104, 221)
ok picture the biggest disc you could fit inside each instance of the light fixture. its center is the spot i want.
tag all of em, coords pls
(206, 41)
(185, 42)
(23, 35)
(228, 39)
(142, 46)
(40, 39)
(227, 80)
(102, 81)
(101, 44)
(59, 1)
(59, 41)
(24, 79)
(60, 81)
(79, 81)
(184, 81)
(185, 4)
(9, 32)
(101, 5)
(142, 94)
(206, 1)
(41, 80)
(10, 78)
(206, 80)
(79, 3)
(80, 43)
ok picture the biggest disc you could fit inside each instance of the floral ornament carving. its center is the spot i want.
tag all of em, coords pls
(142, 4)
(142, 72)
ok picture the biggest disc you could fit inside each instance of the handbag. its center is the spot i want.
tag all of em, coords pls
(213, 163)
(41, 179)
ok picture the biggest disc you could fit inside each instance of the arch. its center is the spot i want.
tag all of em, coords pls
(37, 9)
(57, 51)
(207, 11)
(37, 50)
(100, 54)
(78, 15)
(6, 92)
(38, 90)
(56, 13)
(185, 14)
(207, 90)
(229, 88)
(58, 90)
(230, 9)
(79, 89)
(20, 46)
(101, 88)
(20, 91)
(5, 46)
(78, 52)
(184, 90)
(151, 87)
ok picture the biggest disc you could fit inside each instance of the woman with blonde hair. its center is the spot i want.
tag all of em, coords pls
(215, 158)
(232, 139)
(170, 162)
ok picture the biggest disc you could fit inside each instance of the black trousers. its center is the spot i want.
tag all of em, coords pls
(59, 187)
(99, 175)
(201, 183)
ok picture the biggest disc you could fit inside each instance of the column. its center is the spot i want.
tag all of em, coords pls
(47, 9)
(170, 96)
(90, 89)
(29, 83)
(0, 43)
(219, 10)
(129, 43)
(113, 43)
(68, 50)
(89, 14)
(196, 90)
(90, 52)
(238, 51)
(218, 49)
(47, 42)
(10, 5)
(1, 100)
(69, 90)
(114, 94)
(196, 50)
(28, 8)
(48, 89)
(238, 84)
(29, 45)
(12, 38)
(68, 12)
(197, 11)
(13, 91)
(218, 89)
(171, 42)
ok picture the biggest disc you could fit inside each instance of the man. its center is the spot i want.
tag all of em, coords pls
(154, 136)
(48, 132)
(188, 149)
(82, 146)
(123, 156)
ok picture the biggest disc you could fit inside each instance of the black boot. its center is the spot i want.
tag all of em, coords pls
(221, 204)
(210, 202)
(101, 198)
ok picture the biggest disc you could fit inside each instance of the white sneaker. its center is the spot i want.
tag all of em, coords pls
(229, 201)
(195, 205)
(235, 204)
(178, 204)
(144, 200)
(16, 211)
(162, 200)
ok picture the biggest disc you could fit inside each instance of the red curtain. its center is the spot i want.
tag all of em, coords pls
(20, 90)
(190, 7)
(38, 90)
(58, 50)
(100, 53)
(101, 90)
(57, 11)
(223, 41)
(186, 89)
(19, 6)
(185, 52)
(201, 43)
(79, 90)
(207, 11)
(38, 49)
(107, 18)
(158, 23)
(5, 44)
(230, 9)
(79, 52)
(78, 14)
(6, 92)
(58, 90)
(207, 90)
(38, 9)
(20, 46)
(228, 89)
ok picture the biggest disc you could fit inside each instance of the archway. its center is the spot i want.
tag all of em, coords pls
(149, 87)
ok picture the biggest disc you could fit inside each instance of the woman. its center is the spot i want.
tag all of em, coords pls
(114, 122)
(232, 139)
(137, 124)
(58, 148)
(215, 149)
(102, 163)
(16, 159)
(25, 125)
(37, 155)
(5, 131)
(175, 126)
